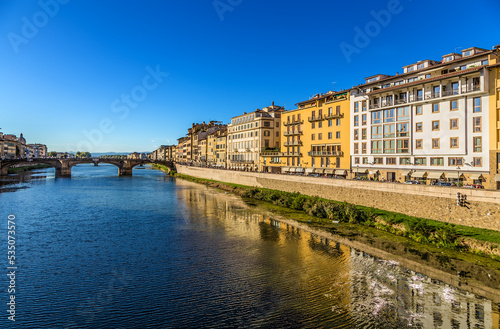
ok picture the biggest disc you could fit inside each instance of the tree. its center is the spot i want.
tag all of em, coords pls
(52, 154)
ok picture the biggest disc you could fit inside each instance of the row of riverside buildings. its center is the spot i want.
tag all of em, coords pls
(13, 147)
(435, 121)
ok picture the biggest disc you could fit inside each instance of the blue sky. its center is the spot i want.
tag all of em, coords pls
(68, 69)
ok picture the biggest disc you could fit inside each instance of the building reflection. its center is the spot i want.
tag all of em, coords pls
(336, 281)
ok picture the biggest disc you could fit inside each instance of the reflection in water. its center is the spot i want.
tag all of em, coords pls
(315, 281)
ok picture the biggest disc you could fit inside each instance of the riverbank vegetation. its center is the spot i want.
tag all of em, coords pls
(18, 169)
(325, 212)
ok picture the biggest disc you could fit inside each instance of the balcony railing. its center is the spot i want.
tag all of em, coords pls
(292, 132)
(292, 154)
(242, 161)
(290, 123)
(272, 154)
(293, 143)
(312, 119)
(330, 154)
(333, 116)
(471, 89)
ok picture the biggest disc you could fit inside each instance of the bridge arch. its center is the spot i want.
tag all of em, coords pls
(6, 164)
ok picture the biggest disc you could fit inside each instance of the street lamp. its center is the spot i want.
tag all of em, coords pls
(458, 168)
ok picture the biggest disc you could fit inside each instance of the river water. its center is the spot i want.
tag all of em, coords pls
(101, 251)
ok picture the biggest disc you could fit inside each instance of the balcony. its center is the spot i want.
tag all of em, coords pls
(333, 116)
(271, 154)
(470, 89)
(293, 143)
(325, 154)
(295, 122)
(432, 95)
(242, 161)
(292, 154)
(292, 132)
(313, 119)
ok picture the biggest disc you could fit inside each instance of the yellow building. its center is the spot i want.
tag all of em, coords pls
(493, 181)
(220, 148)
(315, 138)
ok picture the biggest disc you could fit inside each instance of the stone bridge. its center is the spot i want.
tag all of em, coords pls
(63, 166)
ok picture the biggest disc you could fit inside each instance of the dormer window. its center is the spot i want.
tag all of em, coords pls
(448, 58)
(420, 66)
(410, 69)
(468, 53)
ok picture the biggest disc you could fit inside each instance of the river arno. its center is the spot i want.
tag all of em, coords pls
(102, 251)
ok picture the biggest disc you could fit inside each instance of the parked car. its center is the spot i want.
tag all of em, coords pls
(412, 182)
(443, 184)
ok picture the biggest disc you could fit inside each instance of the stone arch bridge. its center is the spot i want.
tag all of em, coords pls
(63, 166)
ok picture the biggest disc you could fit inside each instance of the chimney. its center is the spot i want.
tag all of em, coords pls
(273, 103)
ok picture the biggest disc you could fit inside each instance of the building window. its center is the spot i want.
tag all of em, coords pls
(420, 94)
(403, 129)
(356, 134)
(313, 125)
(363, 148)
(363, 133)
(363, 106)
(453, 124)
(403, 146)
(337, 134)
(454, 105)
(376, 147)
(404, 161)
(320, 136)
(455, 161)
(320, 124)
(435, 108)
(477, 105)
(389, 131)
(477, 141)
(356, 148)
(435, 143)
(437, 161)
(478, 162)
(267, 124)
(312, 137)
(453, 142)
(376, 132)
(390, 161)
(389, 115)
(418, 110)
(376, 117)
(390, 146)
(365, 160)
(418, 144)
(435, 125)
(329, 135)
(356, 160)
(337, 122)
(418, 127)
(378, 160)
(356, 107)
(330, 122)
(476, 124)
(363, 120)
(404, 113)
(420, 161)
(356, 121)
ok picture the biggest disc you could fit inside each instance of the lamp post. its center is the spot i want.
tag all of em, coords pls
(458, 168)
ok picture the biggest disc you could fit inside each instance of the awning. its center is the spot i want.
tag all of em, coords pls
(418, 174)
(451, 174)
(497, 178)
(318, 170)
(329, 171)
(405, 173)
(476, 176)
(360, 170)
(285, 169)
(292, 169)
(434, 175)
(309, 170)
(299, 169)
(341, 172)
